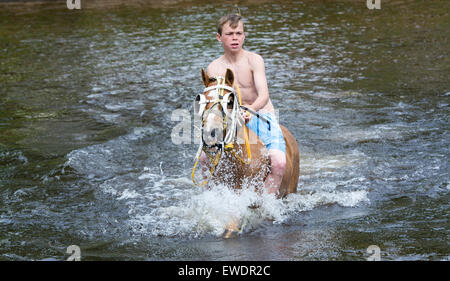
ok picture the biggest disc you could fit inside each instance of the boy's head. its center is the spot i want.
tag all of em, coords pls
(230, 32)
(231, 19)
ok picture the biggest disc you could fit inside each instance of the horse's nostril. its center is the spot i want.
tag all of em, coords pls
(213, 133)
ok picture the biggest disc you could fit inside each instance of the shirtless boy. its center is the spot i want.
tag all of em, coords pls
(249, 73)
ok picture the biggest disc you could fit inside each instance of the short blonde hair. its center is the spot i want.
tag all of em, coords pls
(232, 18)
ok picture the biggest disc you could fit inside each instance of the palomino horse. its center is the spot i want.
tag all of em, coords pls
(236, 154)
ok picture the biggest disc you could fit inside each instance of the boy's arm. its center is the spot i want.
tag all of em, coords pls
(259, 76)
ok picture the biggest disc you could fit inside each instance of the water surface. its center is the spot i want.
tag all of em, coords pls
(86, 156)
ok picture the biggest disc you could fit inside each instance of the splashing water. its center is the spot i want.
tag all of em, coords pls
(208, 212)
(160, 205)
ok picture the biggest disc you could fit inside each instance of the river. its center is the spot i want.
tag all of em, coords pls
(87, 102)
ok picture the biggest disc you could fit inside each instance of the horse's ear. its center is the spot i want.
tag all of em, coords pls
(205, 78)
(229, 77)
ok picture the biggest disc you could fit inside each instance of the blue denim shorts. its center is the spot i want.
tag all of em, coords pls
(272, 137)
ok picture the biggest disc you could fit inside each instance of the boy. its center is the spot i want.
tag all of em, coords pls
(249, 73)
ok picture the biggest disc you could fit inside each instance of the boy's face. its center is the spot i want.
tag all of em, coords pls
(232, 38)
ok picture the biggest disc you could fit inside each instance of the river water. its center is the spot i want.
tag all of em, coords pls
(89, 100)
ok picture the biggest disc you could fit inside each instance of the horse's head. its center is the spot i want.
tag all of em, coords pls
(215, 106)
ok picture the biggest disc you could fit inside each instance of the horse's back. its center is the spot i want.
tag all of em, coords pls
(290, 178)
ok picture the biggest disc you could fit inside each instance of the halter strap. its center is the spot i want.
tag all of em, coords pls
(215, 87)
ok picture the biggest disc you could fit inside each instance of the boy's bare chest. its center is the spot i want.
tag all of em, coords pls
(243, 73)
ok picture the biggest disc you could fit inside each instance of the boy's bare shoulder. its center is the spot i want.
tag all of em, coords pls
(253, 55)
(215, 67)
(254, 59)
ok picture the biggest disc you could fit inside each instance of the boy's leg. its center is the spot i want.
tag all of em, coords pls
(277, 168)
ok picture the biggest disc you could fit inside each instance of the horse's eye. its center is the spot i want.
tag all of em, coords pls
(230, 103)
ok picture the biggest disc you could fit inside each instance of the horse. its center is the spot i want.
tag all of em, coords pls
(236, 154)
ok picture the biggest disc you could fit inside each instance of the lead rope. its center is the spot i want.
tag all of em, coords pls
(211, 169)
(247, 144)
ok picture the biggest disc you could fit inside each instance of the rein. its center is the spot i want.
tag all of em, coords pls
(227, 144)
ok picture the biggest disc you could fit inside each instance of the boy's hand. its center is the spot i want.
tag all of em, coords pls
(247, 116)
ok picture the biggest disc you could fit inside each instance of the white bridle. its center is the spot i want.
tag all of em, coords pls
(200, 105)
(230, 121)
(232, 118)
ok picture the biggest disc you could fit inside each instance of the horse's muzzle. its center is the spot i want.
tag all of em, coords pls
(212, 137)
